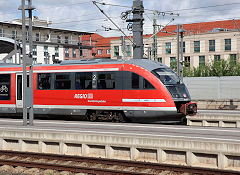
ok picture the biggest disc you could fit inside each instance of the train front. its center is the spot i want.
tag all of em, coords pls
(177, 89)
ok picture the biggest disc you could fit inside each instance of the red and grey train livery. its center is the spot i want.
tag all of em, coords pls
(101, 90)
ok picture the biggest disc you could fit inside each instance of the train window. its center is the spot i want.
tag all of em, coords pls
(62, 81)
(147, 84)
(135, 81)
(5, 86)
(167, 76)
(83, 80)
(106, 80)
(44, 81)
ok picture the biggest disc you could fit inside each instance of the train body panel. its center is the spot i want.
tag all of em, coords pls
(91, 89)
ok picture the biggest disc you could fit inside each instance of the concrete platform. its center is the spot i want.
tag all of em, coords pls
(215, 118)
(190, 146)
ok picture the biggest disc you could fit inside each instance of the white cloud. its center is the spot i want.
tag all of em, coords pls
(84, 16)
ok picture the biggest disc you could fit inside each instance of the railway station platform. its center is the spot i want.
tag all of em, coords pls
(182, 145)
(215, 118)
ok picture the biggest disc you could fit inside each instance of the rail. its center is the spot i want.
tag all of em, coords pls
(99, 166)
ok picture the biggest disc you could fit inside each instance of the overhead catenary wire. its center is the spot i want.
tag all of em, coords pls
(116, 5)
(80, 3)
(94, 2)
(210, 6)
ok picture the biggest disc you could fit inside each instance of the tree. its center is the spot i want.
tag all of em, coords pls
(216, 68)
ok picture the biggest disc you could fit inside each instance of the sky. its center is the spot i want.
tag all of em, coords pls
(83, 15)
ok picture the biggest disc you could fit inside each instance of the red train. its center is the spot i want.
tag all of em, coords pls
(101, 90)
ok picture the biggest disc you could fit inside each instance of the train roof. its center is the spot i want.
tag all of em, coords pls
(144, 63)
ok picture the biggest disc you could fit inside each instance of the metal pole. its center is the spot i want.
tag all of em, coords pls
(15, 48)
(31, 115)
(137, 27)
(24, 64)
(155, 36)
(181, 60)
(123, 46)
(178, 71)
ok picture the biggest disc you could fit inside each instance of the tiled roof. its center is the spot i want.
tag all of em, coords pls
(193, 28)
(204, 27)
(94, 37)
(105, 42)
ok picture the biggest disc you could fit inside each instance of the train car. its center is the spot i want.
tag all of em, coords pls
(101, 90)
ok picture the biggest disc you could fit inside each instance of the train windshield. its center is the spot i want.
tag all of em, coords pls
(167, 76)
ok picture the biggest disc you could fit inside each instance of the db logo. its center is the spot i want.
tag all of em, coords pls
(83, 96)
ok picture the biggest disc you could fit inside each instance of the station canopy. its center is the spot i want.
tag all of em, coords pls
(6, 45)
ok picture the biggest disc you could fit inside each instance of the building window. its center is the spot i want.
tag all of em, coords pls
(187, 61)
(159, 60)
(196, 46)
(2, 33)
(211, 45)
(45, 51)
(56, 51)
(184, 47)
(128, 50)
(227, 44)
(58, 39)
(80, 51)
(201, 60)
(116, 51)
(74, 53)
(100, 52)
(168, 48)
(34, 50)
(46, 37)
(14, 34)
(37, 37)
(233, 58)
(108, 51)
(67, 52)
(217, 58)
(34, 60)
(66, 39)
(173, 63)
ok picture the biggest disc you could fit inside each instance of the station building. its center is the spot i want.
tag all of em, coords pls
(202, 43)
(49, 44)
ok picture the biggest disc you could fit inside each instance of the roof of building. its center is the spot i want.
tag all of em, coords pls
(49, 28)
(193, 28)
(94, 37)
(203, 27)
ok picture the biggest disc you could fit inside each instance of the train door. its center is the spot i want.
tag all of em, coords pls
(19, 89)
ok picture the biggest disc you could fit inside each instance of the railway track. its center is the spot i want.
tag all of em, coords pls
(76, 164)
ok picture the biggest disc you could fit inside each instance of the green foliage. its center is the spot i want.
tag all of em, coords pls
(173, 66)
(216, 68)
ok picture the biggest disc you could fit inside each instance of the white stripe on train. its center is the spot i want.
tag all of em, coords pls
(95, 107)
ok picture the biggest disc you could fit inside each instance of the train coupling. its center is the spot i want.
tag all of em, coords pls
(189, 109)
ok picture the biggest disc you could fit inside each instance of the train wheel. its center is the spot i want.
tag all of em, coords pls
(92, 117)
(119, 118)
